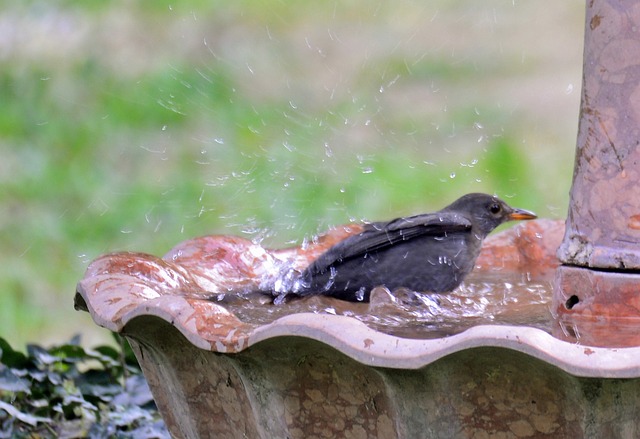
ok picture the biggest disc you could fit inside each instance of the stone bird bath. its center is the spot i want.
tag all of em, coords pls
(320, 375)
(336, 372)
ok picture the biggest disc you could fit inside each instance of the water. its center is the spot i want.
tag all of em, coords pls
(483, 298)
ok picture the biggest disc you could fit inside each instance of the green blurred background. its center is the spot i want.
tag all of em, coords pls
(131, 125)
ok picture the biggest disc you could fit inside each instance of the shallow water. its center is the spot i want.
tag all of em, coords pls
(483, 298)
(513, 284)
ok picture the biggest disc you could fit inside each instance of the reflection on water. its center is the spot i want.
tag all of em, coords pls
(483, 298)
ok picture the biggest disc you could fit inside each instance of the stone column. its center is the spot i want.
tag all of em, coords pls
(601, 246)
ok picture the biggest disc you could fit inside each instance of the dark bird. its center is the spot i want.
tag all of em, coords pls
(431, 252)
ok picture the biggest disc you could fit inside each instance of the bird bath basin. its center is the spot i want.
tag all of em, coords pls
(482, 359)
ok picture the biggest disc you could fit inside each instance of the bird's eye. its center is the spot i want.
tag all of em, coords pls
(495, 208)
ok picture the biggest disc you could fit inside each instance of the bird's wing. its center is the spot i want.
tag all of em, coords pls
(379, 236)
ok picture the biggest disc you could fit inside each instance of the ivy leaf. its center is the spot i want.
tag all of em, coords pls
(40, 355)
(68, 352)
(157, 430)
(128, 416)
(10, 382)
(10, 357)
(136, 392)
(23, 417)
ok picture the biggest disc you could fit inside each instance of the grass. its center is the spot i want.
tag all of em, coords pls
(133, 127)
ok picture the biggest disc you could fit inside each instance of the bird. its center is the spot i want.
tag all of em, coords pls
(430, 252)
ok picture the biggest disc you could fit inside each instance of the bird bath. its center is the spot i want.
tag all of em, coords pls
(526, 347)
(482, 359)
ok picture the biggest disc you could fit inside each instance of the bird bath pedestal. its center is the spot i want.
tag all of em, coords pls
(322, 376)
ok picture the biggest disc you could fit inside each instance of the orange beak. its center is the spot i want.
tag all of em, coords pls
(521, 214)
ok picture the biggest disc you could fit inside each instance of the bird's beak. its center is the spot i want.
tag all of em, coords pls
(521, 214)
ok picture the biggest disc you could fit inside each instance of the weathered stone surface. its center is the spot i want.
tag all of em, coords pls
(300, 388)
(312, 375)
(597, 308)
(602, 225)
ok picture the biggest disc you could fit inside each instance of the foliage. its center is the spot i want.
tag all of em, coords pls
(70, 391)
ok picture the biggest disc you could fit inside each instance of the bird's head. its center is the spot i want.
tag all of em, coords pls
(486, 212)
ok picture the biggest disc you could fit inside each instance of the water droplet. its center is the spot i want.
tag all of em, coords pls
(327, 150)
(367, 170)
(164, 128)
(452, 175)
(569, 89)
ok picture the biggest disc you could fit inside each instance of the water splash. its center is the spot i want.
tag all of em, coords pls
(253, 283)
(483, 298)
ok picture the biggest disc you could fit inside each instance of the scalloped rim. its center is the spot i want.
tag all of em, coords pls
(363, 344)
(368, 346)
(373, 348)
